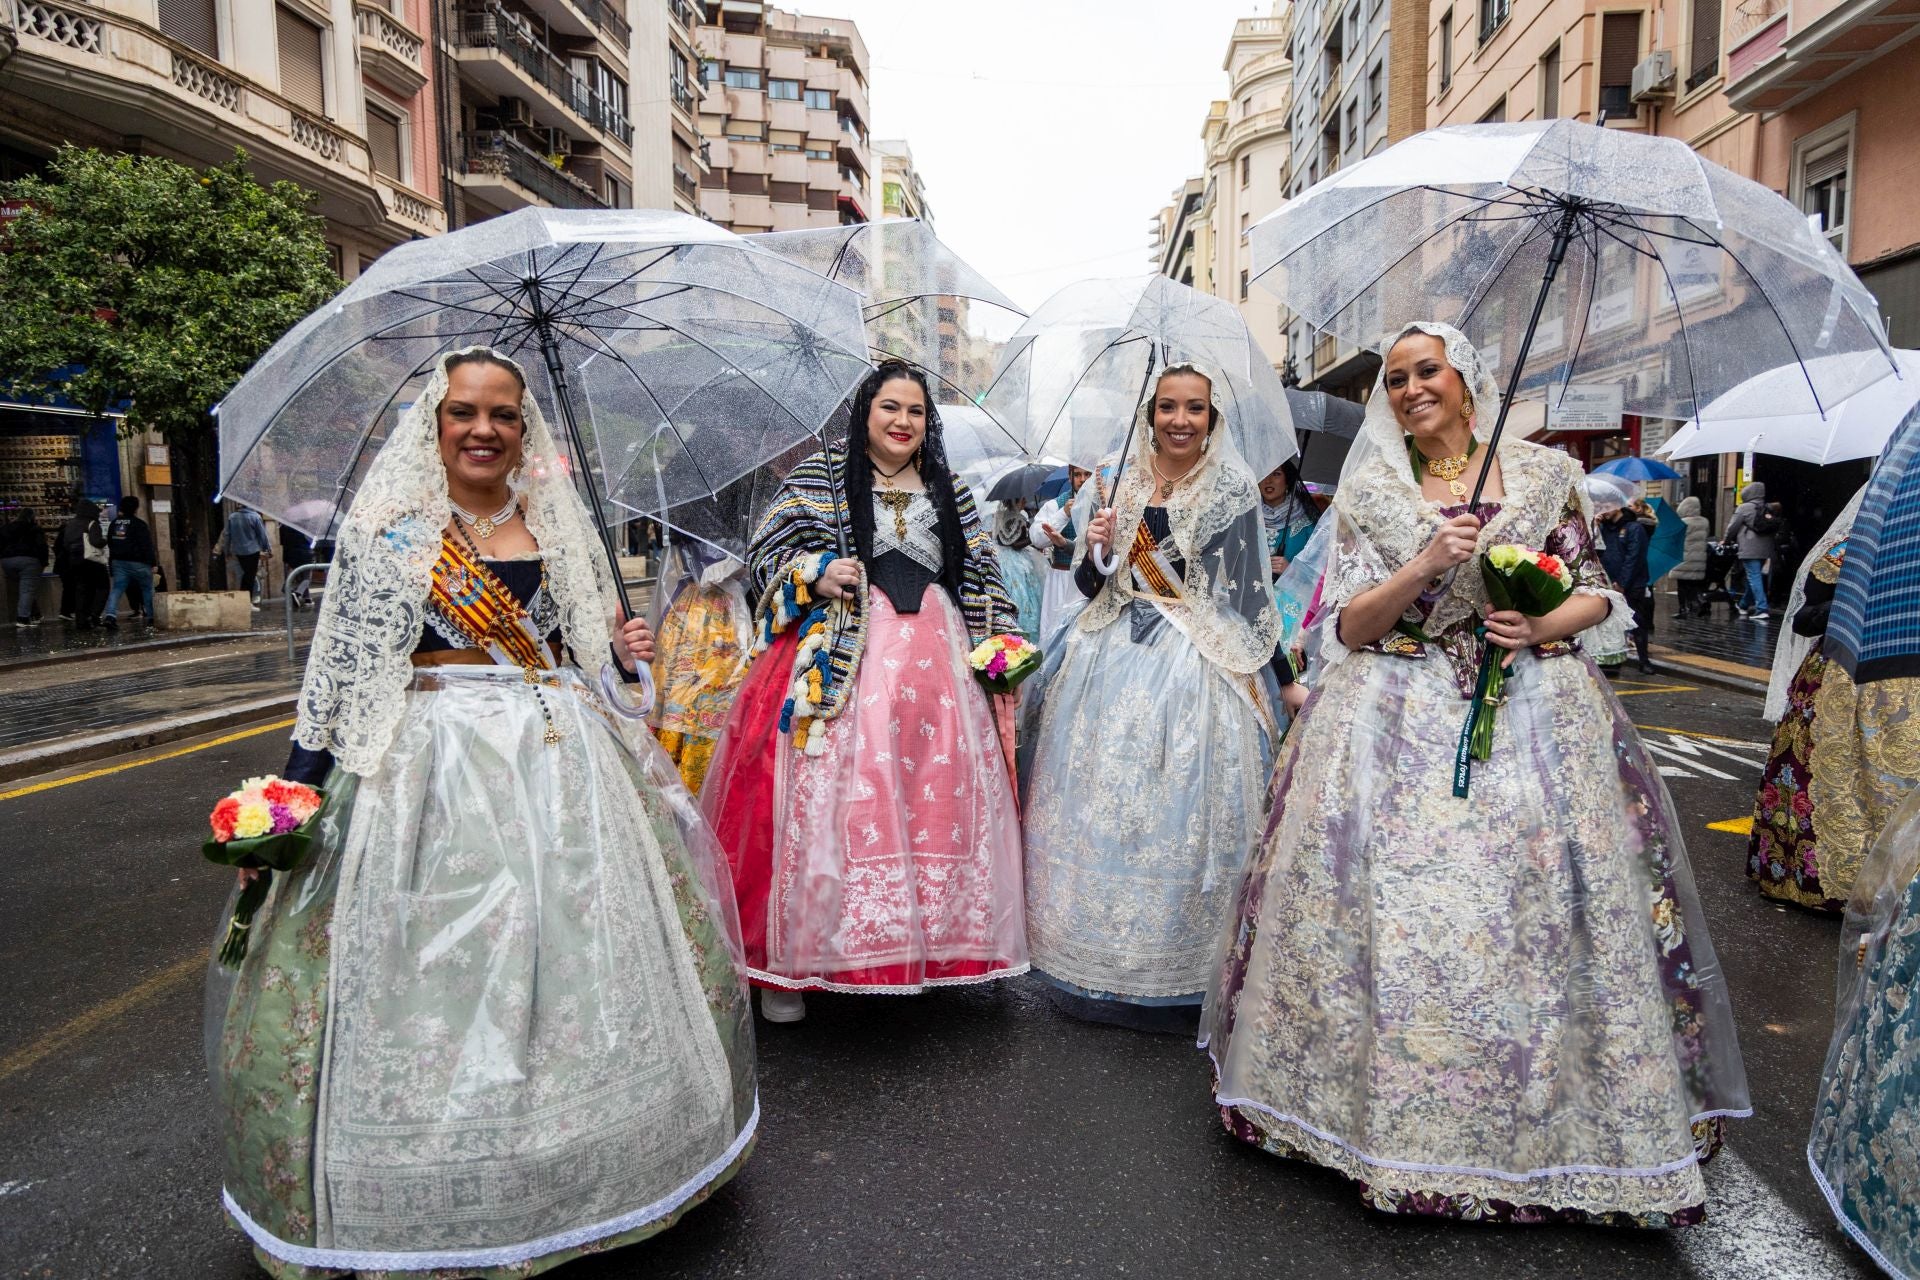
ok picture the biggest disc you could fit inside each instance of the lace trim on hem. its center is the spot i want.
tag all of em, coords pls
(882, 989)
(504, 1255)
(1470, 1171)
(1851, 1227)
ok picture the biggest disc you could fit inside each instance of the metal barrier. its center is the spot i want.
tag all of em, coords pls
(287, 590)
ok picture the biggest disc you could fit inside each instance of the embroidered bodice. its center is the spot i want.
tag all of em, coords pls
(906, 548)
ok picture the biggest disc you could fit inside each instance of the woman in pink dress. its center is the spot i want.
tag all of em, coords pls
(862, 788)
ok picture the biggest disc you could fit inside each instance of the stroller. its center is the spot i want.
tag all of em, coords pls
(1722, 559)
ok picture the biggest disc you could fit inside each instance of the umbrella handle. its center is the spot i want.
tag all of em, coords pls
(614, 689)
(1105, 563)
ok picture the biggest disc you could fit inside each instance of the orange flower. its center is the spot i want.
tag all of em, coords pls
(225, 814)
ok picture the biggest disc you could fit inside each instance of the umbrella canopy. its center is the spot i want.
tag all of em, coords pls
(1669, 544)
(1857, 427)
(1021, 483)
(1610, 493)
(1873, 629)
(675, 355)
(1073, 376)
(1318, 411)
(1644, 470)
(1581, 256)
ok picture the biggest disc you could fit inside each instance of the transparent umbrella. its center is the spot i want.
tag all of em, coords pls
(1581, 256)
(676, 357)
(1858, 427)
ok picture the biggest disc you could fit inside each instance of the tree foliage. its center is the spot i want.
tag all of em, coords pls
(137, 278)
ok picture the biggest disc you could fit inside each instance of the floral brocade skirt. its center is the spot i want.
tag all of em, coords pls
(890, 861)
(1498, 1007)
(1863, 762)
(497, 1020)
(1783, 853)
(696, 672)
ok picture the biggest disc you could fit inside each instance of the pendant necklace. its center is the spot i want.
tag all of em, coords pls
(1166, 485)
(485, 526)
(1450, 469)
(886, 477)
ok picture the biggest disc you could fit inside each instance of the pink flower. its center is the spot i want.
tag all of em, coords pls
(1802, 806)
(283, 819)
(998, 664)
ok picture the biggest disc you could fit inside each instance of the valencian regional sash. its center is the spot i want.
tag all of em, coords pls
(471, 598)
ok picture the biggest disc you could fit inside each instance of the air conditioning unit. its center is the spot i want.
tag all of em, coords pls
(559, 143)
(517, 112)
(1653, 77)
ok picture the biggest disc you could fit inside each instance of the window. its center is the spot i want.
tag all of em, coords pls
(747, 130)
(710, 70)
(1823, 163)
(1703, 64)
(819, 153)
(786, 140)
(619, 194)
(746, 184)
(1243, 284)
(1550, 83)
(1246, 169)
(1244, 220)
(1353, 122)
(1446, 51)
(194, 23)
(1619, 51)
(784, 90)
(1496, 114)
(301, 77)
(383, 141)
(743, 77)
(819, 100)
(1492, 14)
(1376, 89)
(789, 192)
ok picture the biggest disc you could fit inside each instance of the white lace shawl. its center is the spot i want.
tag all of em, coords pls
(1791, 649)
(1385, 520)
(375, 606)
(1227, 608)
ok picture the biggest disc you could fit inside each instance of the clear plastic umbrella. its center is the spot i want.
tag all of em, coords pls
(675, 355)
(1857, 427)
(1577, 255)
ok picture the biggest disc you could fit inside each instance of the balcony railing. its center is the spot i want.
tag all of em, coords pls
(494, 28)
(682, 12)
(501, 155)
(1748, 16)
(685, 183)
(682, 94)
(609, 20)
(1330, 96)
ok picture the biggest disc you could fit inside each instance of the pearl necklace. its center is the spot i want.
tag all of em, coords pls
(486, 526)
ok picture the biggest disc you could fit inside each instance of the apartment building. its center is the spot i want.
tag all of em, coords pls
(902, 193)
(1814, 99)
(336, 95)
(783, 112)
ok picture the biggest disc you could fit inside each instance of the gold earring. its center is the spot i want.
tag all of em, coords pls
(1466, 404)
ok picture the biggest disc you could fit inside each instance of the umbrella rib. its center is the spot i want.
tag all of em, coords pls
(937, 376)
(1766, 297)
(665, 417)
(442, 304)
(1411, 250)
(1586, 315)
(577, 303)
(1476, 297)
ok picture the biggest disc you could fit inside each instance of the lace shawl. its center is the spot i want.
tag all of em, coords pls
(1385, 520)
(1227, 608)
(375, 606)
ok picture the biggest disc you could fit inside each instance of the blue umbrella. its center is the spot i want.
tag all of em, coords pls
(1645, 470)
(1669, 545)
(1054, 486)
(1873, 629)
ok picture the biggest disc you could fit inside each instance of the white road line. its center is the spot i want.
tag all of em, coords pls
(1687, 760)
(15, 1188)
(1750, 1231)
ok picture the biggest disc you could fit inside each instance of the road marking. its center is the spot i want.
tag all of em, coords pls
(91, 774)
(1664, 688)
(1735, 826)
(104, 1012)
(15, 1188)
(1695, 733)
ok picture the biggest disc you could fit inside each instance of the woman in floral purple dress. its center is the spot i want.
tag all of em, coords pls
(1497, 1006)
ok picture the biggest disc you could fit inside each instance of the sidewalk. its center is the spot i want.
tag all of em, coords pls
(1723, 649)
(54, 641)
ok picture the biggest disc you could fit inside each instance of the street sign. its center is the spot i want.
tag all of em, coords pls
(1585, 406)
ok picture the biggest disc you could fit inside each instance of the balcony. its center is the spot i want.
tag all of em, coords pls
(1771, 70)
(1330, 96)
(1280, 28)
(507, 173)
(498, 50)
(608, 19)
(686, 184)
(682, 94)
(390, 50)
(1261, 124)
(682, 12)
(113, 72)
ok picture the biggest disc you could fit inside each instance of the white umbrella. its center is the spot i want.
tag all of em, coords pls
(1858, 427)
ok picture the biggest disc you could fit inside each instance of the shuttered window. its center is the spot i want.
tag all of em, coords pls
(790, 192)
(1704, 63)
(1550, 84)
(1619, 51)
(747, 184)
(194, 23)
(383, 140)
(1823, 190)
(300, 62)
(820, 199)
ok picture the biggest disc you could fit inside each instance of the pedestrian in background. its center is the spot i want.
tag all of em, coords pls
(296, 551)
(23, 553)
(246, 541)
(1625, 558)
(1752, 532)
(81, 556)
(131, 555)
(1690, 575)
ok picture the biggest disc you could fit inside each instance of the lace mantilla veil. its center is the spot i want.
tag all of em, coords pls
(1227, 608)
(1385, 520)
(375, 605)
(1792, 648)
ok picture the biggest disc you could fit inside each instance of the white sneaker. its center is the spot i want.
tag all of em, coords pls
(782, 1006)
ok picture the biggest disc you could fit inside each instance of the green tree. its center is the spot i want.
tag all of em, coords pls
(139, 279)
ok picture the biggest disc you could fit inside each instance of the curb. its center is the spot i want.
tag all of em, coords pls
(1682, 669)
(67, 752)
(64, 656)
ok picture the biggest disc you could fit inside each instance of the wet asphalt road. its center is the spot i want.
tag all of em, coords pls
(974, 1132)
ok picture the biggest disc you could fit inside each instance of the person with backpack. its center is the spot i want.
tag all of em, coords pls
(131, 548)
(1753, 530)
(80, 557)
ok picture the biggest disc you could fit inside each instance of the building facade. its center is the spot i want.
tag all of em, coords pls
(902, 192)
(784, 116)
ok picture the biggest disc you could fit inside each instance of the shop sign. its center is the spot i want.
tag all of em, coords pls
(1585, 406)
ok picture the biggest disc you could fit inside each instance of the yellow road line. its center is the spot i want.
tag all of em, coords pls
(1652, 728)
(1665, 688)
(107, 1010)
(91, 774)
(1738, 826)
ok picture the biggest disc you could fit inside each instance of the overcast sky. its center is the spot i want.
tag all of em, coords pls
(1048, 132)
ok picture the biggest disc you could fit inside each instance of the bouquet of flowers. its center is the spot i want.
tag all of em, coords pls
(265, 826)
(1001, 662)
(1521, 580)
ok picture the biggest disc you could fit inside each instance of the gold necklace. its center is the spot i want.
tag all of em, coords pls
(1450, 470)
(1166, 485)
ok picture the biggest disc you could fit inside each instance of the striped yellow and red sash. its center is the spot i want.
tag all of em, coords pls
(1145, 560)
(472, 598)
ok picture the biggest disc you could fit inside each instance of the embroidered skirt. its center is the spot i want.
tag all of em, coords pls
(1783, 852)
(696, 672)
(497, 1020)
(889, 862)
